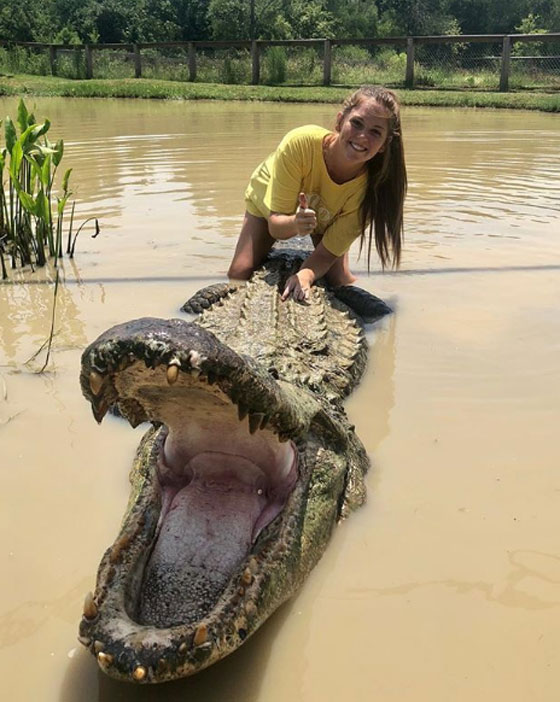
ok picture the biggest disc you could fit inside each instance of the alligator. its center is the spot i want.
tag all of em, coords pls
(248, 464)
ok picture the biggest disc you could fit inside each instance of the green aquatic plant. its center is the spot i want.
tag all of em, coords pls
(31, 215)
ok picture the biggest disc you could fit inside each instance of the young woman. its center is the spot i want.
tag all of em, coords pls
(335, 186)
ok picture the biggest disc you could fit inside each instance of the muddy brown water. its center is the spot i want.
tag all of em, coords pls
(446, 585)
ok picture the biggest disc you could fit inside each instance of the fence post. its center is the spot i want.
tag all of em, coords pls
(506, 63)
(52, 59)
(137, 61)
(255, 63)
(192, 62)
(409, 77)
(89, 61)
(327, 61)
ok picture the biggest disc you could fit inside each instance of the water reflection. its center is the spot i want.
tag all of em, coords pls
(495, 171)
(25, 315)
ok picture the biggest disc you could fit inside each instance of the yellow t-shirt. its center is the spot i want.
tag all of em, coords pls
(297, 166)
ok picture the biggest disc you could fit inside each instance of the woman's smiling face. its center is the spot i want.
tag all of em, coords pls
(363, 131)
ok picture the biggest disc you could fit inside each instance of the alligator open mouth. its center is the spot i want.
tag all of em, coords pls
(224, 464)
(223, 478)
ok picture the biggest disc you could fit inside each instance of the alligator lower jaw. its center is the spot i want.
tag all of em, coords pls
(115, 624)
(183, 583)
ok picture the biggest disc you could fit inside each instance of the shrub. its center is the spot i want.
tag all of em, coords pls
(275, 63)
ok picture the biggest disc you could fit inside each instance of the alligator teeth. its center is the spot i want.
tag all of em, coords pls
(105, 659)
(99, 410)
(98, 646)
(242, 411)
(84, 640)
(195, 359)
(90, 608)
(265, 421)
(255, 421)
(139, 673)
(95, 382)
(200, 635)
(173, 371)
(250, 608)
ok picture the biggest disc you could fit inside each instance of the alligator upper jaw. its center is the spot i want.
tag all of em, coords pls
(218, 480)
(112, 372)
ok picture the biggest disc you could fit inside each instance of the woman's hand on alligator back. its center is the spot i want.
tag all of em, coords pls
(314, 267)
(299, 285)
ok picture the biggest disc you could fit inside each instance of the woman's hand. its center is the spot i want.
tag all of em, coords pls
(315, 266)
(299, 285)
(302, 223)
(305, 218)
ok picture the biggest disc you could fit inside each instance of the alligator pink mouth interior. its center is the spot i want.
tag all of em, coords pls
(222, 482)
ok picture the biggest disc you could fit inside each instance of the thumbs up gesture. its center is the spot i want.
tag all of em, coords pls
(305, 218)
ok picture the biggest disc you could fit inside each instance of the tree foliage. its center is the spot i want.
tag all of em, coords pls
(160, 20)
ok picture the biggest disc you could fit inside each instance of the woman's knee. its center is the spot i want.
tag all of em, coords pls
(239, 271)
(253, 245)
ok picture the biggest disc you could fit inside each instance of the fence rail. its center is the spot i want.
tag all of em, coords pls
(413, 61)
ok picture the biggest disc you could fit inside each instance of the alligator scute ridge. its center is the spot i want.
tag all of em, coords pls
(272, 376)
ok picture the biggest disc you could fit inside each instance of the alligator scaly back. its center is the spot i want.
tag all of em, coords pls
(319, 344)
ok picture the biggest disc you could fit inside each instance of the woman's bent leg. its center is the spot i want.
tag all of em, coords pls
(253, 245)
(340, 273)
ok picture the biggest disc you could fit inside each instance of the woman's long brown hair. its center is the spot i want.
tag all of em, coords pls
(382, 207)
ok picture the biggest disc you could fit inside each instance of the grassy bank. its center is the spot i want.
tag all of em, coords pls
(160, 89)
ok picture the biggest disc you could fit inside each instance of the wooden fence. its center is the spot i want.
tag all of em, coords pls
(408, 44)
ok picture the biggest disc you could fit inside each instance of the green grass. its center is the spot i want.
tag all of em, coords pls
(148, 88)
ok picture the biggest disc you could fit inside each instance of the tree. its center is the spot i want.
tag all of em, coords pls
(20, 22)
(192, 19)
(270, 19)
(354, 18)
(415, 17)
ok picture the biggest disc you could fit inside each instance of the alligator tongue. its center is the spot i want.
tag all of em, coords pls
(205, 535)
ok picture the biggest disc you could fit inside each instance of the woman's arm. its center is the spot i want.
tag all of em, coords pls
(282, 226)
(314, 267)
